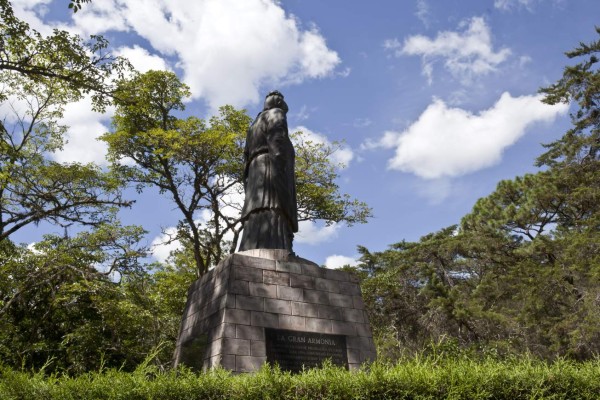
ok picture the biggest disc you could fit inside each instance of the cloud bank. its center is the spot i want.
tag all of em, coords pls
(449, 142)
(465, 54)
(228, 49)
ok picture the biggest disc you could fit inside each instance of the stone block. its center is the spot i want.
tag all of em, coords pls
(289, 293)
(239, 287)
(292, 322)
(316, 296)
(215, 348)
(363, 330)
(276, 278)
(278, 306)
(235, 346)
(253, 262)
(358, 302)
(353, 315)
(357, 342)
(343, 328)
(258, 349)
(262, 290)
(305, 309)
(215, 319)
(318, 325)
(227, 361)
(230, 301)
(286, 266)
(250, 332)
(329, 312)
(249, 303)
(354, 356)
(235, 316)
(302, 281)
(335, 274)
(350, 288)
(327, 285)
(341, 300)
(267, 320)
(249, 363)
(247, 274)
(223, 330)
(312, 270)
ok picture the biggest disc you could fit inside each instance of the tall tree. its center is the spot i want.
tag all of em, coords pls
(199, 164)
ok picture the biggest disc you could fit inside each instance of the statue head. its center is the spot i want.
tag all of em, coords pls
(275, 100)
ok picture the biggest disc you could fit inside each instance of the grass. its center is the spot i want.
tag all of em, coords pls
(416, 378)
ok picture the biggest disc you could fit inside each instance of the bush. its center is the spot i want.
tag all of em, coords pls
(431, 377)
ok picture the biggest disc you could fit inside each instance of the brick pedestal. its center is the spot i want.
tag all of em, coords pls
(229, 307)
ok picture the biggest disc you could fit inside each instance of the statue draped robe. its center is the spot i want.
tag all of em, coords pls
(270, 209)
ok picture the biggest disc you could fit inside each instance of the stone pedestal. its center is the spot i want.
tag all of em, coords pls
(308, 308)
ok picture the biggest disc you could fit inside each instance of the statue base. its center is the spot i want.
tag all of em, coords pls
(270, 306)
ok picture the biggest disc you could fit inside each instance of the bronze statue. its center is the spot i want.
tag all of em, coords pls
(270, 209)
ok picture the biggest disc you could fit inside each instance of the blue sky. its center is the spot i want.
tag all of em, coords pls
(436, 100)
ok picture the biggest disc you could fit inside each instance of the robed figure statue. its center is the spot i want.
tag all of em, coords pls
(270, 210)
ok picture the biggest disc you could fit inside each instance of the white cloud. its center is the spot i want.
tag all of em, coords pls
(313, 233)
(100, 16)
(142, 60)
(227, 49)
(85, 126)
(448, 142)
(423, 12)
(467, 54)
(343, 155)
(337, 261)
(387, 141)
(506, 5)
(162, 246)
(33, 11)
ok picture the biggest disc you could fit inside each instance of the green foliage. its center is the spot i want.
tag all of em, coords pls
(66, 60)
(60, 301)
(433, 377)
(318, 194)
(75, 5)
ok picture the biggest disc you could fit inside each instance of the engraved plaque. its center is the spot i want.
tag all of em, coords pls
(294, 349)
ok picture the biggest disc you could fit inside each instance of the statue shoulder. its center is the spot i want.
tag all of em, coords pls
(275, 115)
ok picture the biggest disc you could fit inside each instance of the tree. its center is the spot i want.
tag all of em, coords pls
(61, 300)
(200, 165)
(79, 67)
